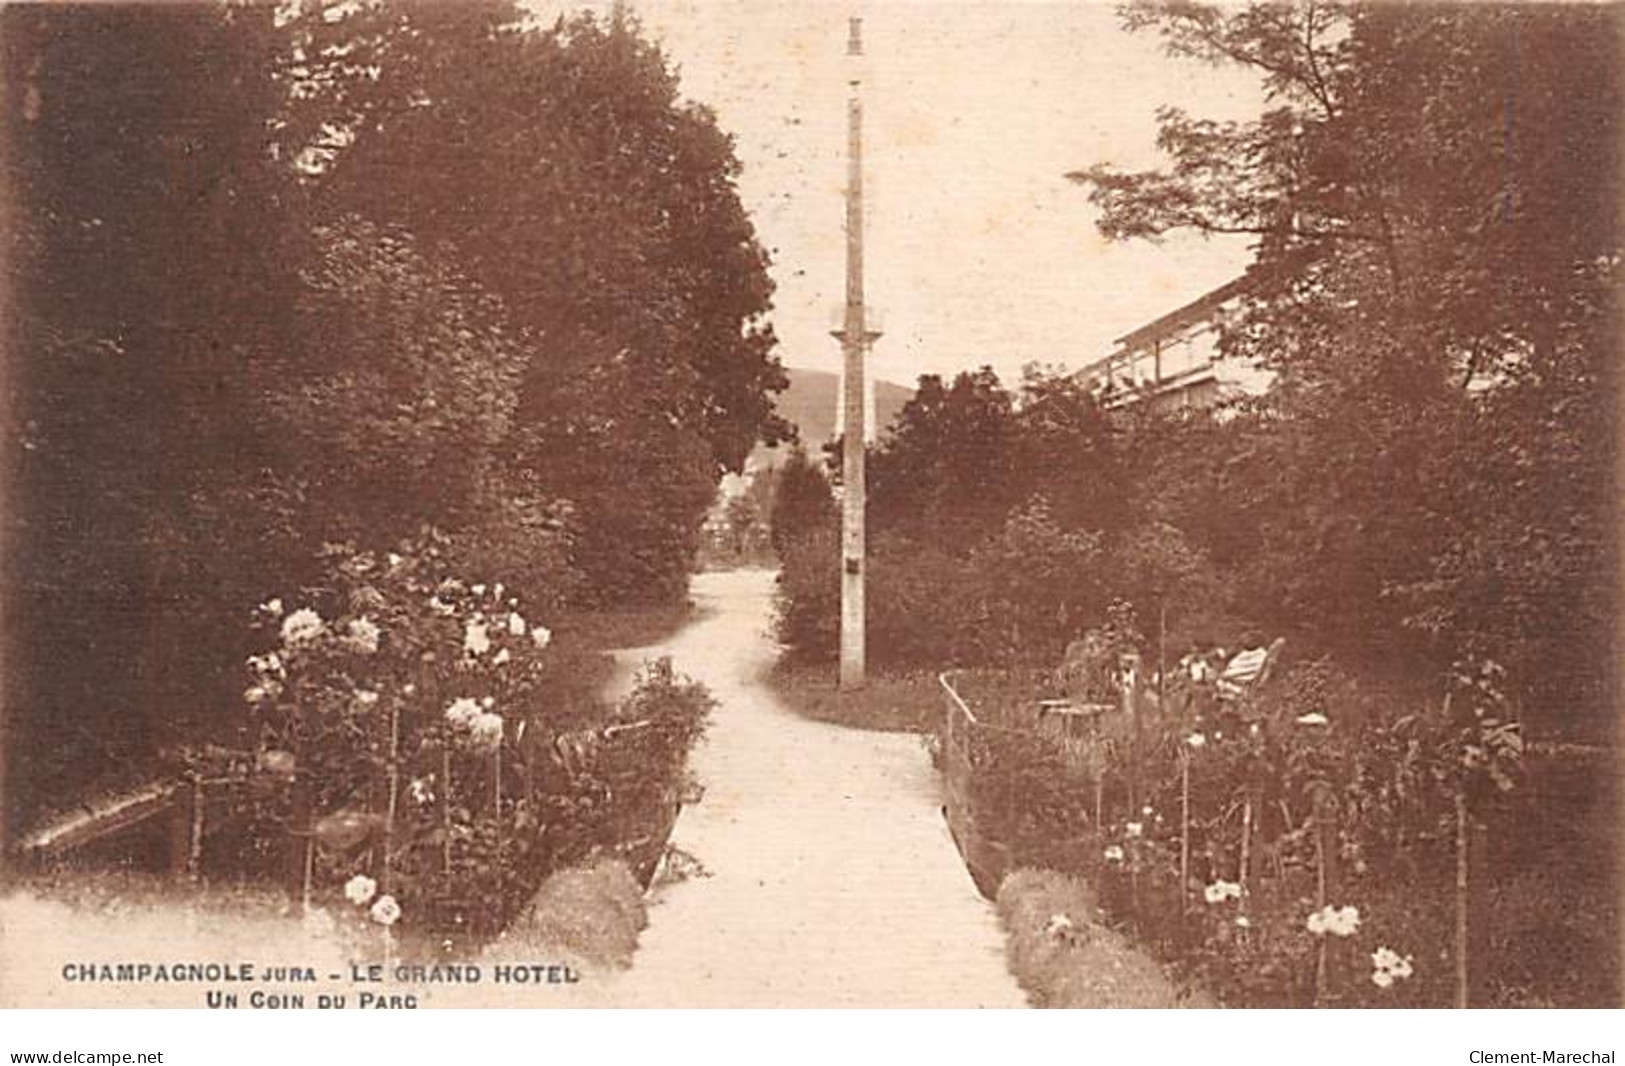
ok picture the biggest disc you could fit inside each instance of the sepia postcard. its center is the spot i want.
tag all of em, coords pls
(730, 503)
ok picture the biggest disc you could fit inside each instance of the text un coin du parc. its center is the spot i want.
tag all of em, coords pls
(1517, 1058)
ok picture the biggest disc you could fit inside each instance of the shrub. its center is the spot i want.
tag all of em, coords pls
(807, 601)
(802, 503)
(415, 718)
(1035, 585)
(1022, 595)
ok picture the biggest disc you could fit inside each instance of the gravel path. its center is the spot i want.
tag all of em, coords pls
(833, 881)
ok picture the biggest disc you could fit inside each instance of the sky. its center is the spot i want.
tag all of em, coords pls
(979, 251)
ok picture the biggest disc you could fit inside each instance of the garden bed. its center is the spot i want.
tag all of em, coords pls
(421, 753)
(1284, 861)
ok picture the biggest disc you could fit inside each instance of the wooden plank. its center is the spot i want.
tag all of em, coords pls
(101, 819)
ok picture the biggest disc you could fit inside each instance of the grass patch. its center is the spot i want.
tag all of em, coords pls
(1062, 956)
(889, 703)
(633, 626)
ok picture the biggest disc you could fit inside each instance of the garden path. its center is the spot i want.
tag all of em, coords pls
(832, 878)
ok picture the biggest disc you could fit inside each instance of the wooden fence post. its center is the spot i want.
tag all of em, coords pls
(194, 841)
(1318, 814)
(299, 839)
(1184, 828)
(392, 800)
(1129, 671)
(1472, 928)
(179, 819)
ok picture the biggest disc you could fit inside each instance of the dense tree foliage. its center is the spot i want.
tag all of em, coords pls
(284, 276)
(147, 265)
(990, 515)
(1434, 197)
(802, 504)
(603, 211)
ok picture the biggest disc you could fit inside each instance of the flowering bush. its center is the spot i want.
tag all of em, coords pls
(1317, 844)
(414, 717)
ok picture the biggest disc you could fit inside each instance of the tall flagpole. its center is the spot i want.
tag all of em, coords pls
(856, 338)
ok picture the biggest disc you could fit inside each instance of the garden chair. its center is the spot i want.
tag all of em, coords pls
(1248, 670)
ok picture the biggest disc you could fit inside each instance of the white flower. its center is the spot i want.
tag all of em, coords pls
(408, 689)
(386, 911)
(255, 694)
(1389, 966)
(365, 697)
(1196, 740)
(394, 559)
(359, 889)
(1147, 810)
(419, 790)
(1219, 891)
(1114, 854)
(1338, 921)
(302, 626)
(462, 712)
(485, 733)
(1312, 718)
(363, 636)
(496, 591)
(1243, 921)
(478, 590)
(272, 607)
(488, 702)
(503, 656)
(1134, 830)
(268, 664)
(440, 606)
(516, 624)
(541, 636)
(476, 639)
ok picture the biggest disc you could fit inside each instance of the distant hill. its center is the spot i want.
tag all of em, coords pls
(809, 403)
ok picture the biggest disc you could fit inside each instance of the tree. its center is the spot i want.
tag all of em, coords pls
(398, 392)
(1437, 247)
(571, 180)
(945, 462)
(147, 259)
(1058, 415)
(802, 502)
